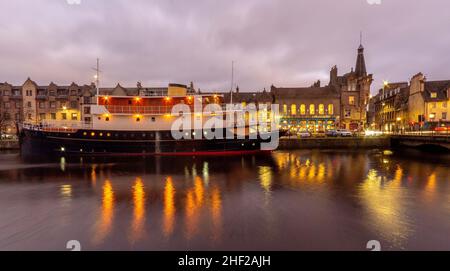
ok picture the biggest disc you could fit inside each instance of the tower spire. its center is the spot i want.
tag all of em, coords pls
(360, 68)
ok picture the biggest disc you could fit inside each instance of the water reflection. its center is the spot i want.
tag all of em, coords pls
(105, 222)
(169, 207)
(137, 227)
(298, 200)
(386, 207)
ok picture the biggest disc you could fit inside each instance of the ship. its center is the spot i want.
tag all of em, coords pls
(143, 125)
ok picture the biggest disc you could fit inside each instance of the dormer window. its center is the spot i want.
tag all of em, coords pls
(433, 95)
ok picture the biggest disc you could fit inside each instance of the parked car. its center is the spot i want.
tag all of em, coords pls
(372, 133)
(319, 134)
(331, 133)
(304, 134)
(344, 133)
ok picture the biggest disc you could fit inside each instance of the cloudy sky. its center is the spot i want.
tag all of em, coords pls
(280, 42)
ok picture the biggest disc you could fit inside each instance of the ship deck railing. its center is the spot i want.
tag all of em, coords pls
(155, 110)
(57, 126)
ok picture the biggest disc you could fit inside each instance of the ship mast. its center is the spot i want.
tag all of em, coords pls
(97, 78)
(232, 82)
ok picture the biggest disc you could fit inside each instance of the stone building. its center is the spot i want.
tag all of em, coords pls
(391, 107)
(341, 104)
(312, 108)
(354, 89)
(428, 101)
(35, 103)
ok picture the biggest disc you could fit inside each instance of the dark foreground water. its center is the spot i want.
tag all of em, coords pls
(304, 200)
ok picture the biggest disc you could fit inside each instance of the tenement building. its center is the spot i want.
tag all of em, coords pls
(428, 101)
(340, 104)
(391, 107)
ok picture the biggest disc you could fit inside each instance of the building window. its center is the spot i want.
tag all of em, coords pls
(433, 95)
(86, 100)
(73, 92)
(6, 93)
(348, 113)
(351, 100)
(53, 105)
(7, 105)
(87, 110)
(17, 116)
(29, 117)
(7, 116)
(41, 105)
(444, 115)
(74, 116)
(87, 120)
(330, 109)
(64, 116)
(433, 105)
(444, 104)
(285, 109)
(312, 109)
(53, 116)
(18, 105)
(42, 116)
(294, 109)
(29, 104)
(73, 104)
(62, 105)
(321, 109)
(302, 109)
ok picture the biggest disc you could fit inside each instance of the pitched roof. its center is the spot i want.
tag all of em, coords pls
(441, 89)
(250, 97)
(310, 92)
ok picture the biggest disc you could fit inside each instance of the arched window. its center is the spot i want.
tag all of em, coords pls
(312, 109)
(321, 109)
(293, 109)
(302, 109)
(330, 109)
(285, 109)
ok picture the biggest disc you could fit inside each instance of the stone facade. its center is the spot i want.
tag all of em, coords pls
(390, 107)
(33, 103)
(428, 100)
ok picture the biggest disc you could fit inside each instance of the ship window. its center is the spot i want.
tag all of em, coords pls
(108, 134)
(101, 134)
(130, 102)
(144, 135)
(107, 118)
(138, 119)
(153, 119)
(132, 135)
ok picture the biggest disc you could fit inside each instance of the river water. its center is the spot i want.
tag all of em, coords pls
(302, 200)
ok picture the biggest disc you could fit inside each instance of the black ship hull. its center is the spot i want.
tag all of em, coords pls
(129, 143)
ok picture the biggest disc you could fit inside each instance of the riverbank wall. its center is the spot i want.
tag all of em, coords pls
(335, 143)
(9, 145)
